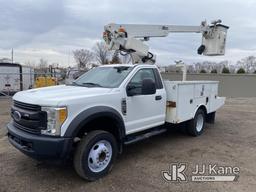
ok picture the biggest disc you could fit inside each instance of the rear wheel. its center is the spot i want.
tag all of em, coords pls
(95, 155)
(196, 125)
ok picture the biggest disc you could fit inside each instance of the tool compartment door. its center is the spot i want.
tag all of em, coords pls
(185, 102)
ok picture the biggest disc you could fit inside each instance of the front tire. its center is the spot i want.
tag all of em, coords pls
(196, 125)
(95, 155)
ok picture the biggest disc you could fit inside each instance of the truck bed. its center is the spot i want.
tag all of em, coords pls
(185, 97)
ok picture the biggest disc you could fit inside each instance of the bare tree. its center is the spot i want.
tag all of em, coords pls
(83, 57)
(248, 63)
(101, 53)
(222, 65)
(30, 63)
(115, 58)
(43, 64)
(208, 66)
(191, 69)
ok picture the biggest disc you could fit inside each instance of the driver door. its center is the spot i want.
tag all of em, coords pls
(145, 111)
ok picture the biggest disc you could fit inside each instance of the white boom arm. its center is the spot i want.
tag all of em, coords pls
(141, 31)
(128, 38)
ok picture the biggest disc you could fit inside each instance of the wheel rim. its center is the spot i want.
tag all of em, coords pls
(100, 156)
(199, 122)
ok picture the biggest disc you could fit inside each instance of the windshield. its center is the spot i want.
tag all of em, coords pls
(109, 77)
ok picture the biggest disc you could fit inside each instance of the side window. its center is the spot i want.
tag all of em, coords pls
(159, 84)
(136, 81)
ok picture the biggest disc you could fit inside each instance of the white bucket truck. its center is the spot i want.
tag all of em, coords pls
(112, 105)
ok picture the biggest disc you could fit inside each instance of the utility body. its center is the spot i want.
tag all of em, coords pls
(109, 106)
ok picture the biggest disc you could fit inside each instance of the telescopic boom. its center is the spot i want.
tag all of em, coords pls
(129, 38)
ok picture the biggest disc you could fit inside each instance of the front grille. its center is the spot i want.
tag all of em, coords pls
(27, 129)
(26, 106)
(31, 119)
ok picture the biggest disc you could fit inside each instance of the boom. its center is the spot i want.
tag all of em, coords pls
(128, 38)
(141, 31)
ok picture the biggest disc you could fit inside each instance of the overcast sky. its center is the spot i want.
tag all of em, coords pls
(51, 29)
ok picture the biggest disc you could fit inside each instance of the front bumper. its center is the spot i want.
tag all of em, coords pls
(38, 146)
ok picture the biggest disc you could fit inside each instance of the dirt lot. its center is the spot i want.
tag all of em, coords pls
(230, 141)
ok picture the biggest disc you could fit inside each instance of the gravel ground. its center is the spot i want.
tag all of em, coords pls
(231, 141)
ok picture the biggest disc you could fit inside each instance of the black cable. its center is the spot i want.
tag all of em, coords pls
(151, 55)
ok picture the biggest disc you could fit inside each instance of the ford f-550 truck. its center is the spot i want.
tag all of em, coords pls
(109, 106)
(105, 108)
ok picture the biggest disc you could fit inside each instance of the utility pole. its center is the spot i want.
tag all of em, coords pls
(68, 57)
(12, 55)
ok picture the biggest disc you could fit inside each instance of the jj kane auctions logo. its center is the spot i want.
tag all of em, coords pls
(178, 172)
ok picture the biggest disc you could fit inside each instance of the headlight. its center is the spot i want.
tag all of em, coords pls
(55, 119)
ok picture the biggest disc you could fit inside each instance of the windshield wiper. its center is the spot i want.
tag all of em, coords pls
(75, 84)
(92, 84)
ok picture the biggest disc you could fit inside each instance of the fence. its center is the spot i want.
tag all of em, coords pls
(231, 85)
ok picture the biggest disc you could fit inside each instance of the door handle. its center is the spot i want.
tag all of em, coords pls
(158, 97)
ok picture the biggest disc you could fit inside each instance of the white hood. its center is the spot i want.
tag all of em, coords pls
(58, 95)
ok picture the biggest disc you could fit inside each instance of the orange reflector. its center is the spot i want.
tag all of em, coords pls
(62, 115)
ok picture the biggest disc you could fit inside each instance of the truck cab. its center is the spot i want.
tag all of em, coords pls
(109, 106)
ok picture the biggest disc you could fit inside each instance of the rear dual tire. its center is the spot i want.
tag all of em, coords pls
(196, 125)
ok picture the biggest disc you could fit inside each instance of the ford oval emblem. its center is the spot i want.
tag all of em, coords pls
(16, 116)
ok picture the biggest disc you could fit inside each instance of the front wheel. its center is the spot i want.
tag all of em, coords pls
(95, 155)
(196, 125)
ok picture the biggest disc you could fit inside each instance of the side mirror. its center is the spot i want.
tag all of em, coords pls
(148, 87)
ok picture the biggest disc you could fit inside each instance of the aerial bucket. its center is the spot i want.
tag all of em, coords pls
(214, 41)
